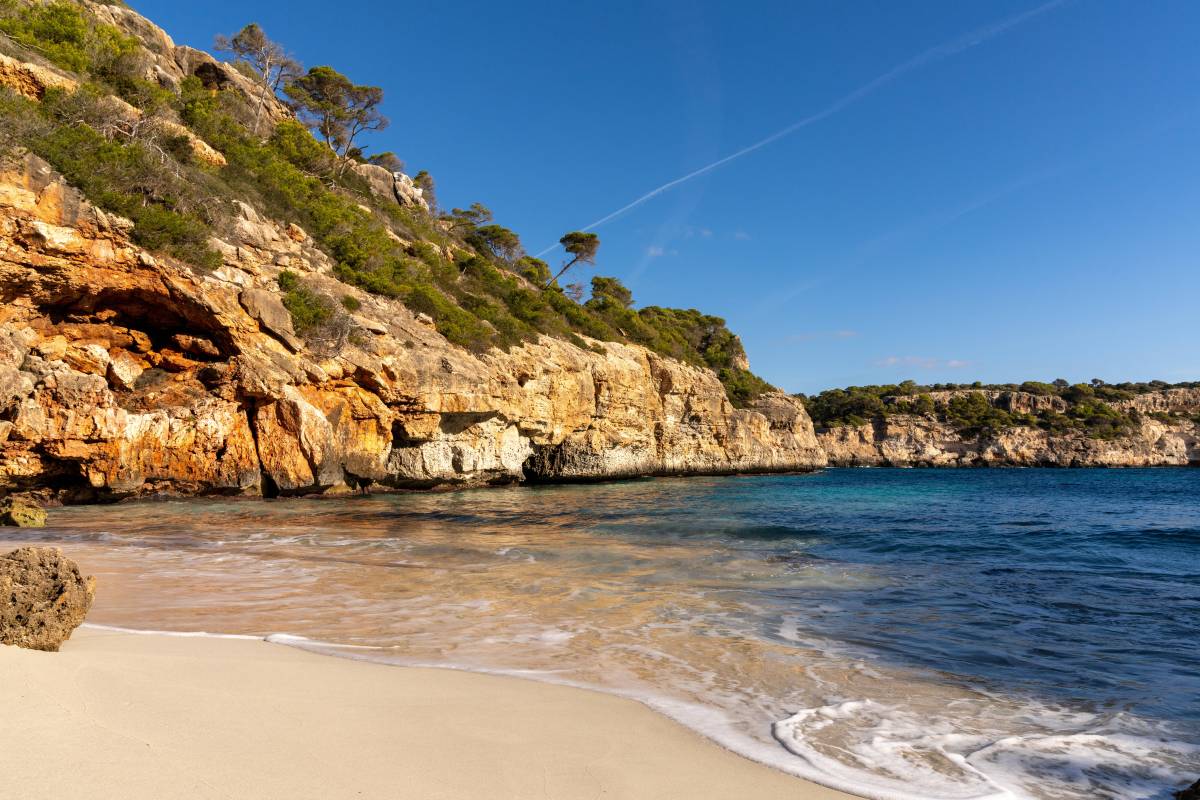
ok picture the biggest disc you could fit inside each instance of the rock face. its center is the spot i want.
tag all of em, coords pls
(45, 598)
(22, 514)
(169, 64)
(392, 185)
(123, 374)
(31, 80)
(909, 440)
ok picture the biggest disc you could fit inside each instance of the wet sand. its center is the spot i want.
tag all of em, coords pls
(120, 715)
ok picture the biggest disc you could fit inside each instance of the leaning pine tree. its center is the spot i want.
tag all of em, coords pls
(582, 246)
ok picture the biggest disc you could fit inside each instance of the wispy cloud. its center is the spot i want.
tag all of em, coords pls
(921, 362)
(741, 236)
(932, 55)
(654, 251)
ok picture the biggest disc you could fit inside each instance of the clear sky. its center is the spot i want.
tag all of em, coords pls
(992, 191)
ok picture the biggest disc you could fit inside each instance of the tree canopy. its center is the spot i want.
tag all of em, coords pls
(337, 109)
(466, 218)
(271, 62)
(581, 246)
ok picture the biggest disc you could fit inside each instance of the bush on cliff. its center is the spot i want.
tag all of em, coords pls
(489, 293)
(309, 309)
(137, 179)
(1088, 406)
(65, 35)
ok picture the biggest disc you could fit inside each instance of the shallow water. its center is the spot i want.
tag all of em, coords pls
(897, 633)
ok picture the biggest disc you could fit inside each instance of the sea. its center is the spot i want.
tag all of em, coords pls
(899, 634)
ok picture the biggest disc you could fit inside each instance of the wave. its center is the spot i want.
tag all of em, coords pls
(895, 754)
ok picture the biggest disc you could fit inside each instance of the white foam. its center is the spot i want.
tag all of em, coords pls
(898, 743)
(178, 634)
(288, 639)
(894, 751)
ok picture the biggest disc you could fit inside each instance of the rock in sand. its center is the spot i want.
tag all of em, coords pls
(43, 598)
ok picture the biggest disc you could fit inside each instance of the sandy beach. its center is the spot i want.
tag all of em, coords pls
(121, 715)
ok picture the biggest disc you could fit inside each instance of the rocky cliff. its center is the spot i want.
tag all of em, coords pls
(123, 374)
(924, 440)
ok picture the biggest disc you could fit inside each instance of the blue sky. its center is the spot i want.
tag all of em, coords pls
(1021, 203)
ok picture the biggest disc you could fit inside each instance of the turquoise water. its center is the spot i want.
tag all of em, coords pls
(898, 633)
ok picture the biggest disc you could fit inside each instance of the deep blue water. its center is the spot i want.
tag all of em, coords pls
(1080, 585)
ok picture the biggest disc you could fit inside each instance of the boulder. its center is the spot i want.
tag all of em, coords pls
(394, 186)
(21, 513)
(268, 309)
(408, 193)
(46, 598)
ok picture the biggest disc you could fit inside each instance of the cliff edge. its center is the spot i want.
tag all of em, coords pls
(123, 373)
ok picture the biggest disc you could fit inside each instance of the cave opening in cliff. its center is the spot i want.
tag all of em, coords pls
(156, 317)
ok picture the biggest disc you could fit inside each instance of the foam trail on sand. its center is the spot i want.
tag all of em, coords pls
(941, 51)
(288, 639)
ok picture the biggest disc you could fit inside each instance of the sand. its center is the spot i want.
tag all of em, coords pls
(121, 715)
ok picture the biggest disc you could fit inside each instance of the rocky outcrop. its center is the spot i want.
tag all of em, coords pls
(169, 64)
(1013, 402)
(45, 598)
(20, 513)
(31, 80)
(394, 186)
(123, 374)
(1167, 401)
(910, 440)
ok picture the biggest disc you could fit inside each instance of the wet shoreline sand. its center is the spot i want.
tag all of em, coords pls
(156, 716)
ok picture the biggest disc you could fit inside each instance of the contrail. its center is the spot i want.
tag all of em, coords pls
(941, 51)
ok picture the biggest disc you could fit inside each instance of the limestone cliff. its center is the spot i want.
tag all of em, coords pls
(123, 374)
(923, 440)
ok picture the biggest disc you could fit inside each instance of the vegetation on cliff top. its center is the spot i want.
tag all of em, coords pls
(1088, 406)
(468, 273)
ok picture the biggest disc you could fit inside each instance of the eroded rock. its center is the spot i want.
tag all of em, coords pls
(45, 598)
(22, 514)
(270, 312)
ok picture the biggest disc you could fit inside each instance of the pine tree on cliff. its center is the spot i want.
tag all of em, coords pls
(582, 246)
(336, 108)
(270, 61)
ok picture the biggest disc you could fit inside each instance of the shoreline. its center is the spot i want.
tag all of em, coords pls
(160, 714)
(449, 488)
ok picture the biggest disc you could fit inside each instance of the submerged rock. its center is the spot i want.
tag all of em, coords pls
(1190, 793)
(21, 513)
(43, 598)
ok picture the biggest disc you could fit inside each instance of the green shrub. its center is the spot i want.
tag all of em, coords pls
(351, 303)
(310, 311)
(126, 179)
(458, 326)
(57, 30)
(972, 414)
(68, 37)
(742, 386)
